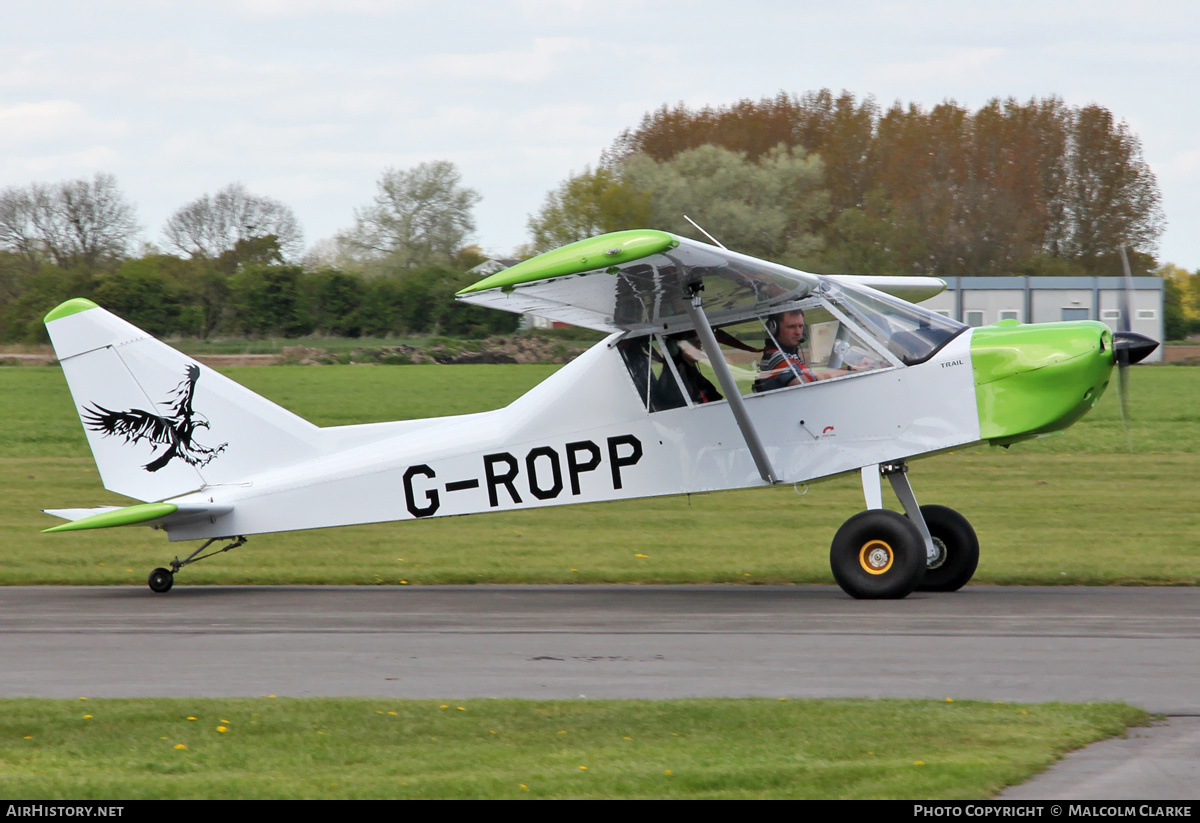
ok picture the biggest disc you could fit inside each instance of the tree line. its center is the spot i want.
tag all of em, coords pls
(823, 182)
(233, 266)
(834, 183)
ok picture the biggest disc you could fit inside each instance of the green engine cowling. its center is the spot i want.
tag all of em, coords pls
(1032, 380)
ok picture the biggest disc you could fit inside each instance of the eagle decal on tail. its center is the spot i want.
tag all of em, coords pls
(176, 430)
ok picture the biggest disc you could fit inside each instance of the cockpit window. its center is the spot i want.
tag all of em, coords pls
(665, 371)
(911, 333)
(839, 331)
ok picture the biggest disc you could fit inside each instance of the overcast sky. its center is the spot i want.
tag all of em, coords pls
(309, 101)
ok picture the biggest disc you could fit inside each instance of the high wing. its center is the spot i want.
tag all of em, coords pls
(643, 279)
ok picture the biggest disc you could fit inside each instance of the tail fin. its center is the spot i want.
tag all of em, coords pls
(159, 423)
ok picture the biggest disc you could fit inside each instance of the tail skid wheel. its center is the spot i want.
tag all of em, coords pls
(877, 555)
(958, 550)
(161, 580)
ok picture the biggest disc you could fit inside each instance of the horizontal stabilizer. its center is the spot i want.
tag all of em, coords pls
(149, 514)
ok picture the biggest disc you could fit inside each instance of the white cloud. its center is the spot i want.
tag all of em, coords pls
(292, 9)
(28, 125)
(510, 66)
(45, 168)
(955, 64)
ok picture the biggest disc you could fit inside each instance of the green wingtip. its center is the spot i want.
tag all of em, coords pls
(607, 250)
(128, 516)
(72, 306)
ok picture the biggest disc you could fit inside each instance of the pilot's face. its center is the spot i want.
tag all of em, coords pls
(791, 329)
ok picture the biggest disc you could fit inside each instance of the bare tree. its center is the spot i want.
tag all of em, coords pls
(210, 226)
(73, 222)
(420, 216)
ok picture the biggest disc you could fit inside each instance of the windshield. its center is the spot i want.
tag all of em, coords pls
(908, 331)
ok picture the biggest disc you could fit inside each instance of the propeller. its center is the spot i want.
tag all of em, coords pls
(1129, 347)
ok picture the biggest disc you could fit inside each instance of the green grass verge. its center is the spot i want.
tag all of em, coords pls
(1073, 509)
(380, 748)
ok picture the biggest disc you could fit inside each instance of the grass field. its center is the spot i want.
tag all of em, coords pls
(355, 748)
(1073, 509)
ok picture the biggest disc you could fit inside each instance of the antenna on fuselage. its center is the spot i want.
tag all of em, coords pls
(702, 231)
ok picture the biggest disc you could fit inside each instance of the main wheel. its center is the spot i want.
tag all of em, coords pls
(161, 580)
(878, 554)
(958, 550)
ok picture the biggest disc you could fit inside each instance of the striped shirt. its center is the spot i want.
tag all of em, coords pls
(779, 367)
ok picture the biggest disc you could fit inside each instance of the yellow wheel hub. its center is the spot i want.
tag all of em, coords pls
(876, 557)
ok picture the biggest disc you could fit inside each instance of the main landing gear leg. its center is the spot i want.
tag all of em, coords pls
(951, 546)
(882, 554)
(161, 580)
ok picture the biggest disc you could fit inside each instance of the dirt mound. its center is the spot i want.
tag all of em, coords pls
(506, 349)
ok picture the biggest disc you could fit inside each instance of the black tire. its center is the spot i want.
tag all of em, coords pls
(959, 548)
(878, 554)
(161, 580)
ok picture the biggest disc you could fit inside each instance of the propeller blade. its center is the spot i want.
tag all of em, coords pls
(1126, 321)
(1129, 347)
(1121, 355)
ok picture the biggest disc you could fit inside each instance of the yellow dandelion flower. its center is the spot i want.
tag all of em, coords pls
(461, 709)
(628, 738)
(949, 699)
(641, 555)
(393, 714)
(667, 771)
(223, 720)
(83, 698)
(222, 729)
(180, 746)
(29, 737)
(583, 768)
(918, 762)
(523, 787)
(443, 706)
(191, 717)
(87, 717)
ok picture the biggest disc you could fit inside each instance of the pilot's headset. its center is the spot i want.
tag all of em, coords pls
(772, 324)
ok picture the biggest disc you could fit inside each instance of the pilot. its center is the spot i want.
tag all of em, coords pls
(782, 363)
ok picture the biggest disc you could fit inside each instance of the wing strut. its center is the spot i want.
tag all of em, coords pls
(708, 340)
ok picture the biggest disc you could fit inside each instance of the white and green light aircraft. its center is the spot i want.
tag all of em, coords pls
(683, 396)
